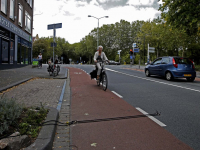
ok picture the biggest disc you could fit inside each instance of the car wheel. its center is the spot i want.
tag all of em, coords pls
(147, 73)
(190, 79)
(169, 76)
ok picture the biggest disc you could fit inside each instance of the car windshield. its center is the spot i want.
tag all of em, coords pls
(182, 61)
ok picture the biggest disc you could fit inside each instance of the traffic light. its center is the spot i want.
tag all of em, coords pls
(131, 52)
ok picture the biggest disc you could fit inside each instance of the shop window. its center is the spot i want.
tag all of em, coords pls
(4, 33)
(27, 22)
(4, 6)
(20, 15)
(12, 9)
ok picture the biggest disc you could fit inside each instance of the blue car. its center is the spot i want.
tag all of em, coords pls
(172, 67)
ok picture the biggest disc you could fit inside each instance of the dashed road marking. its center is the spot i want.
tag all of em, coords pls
(154, 80)
(151, 117)
(117, 94)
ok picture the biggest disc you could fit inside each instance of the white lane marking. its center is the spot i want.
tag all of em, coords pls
(154, 81)
(117, 94)
(151, 117)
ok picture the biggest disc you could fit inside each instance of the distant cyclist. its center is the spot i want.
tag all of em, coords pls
(99, 57)
(40, 60)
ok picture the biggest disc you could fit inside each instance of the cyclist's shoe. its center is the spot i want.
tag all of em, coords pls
(97, 77)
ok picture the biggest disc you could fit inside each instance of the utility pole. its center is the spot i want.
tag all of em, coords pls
(144, 49)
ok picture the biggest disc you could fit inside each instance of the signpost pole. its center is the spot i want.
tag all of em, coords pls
(53, 41)
(119, 57)
(54, 27)
(139, 62)
(148, 55)
(133, 57)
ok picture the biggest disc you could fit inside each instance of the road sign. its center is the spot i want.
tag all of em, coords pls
(134, 45)
(53, 44)
(54, 26)
(151, 49)
(132, 56)
(136, 50)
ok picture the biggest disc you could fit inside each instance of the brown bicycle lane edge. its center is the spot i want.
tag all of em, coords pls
(89, 101)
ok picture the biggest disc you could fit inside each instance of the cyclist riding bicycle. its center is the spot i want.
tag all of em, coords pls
(99, 58)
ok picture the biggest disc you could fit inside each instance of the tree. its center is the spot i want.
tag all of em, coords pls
(182, 14)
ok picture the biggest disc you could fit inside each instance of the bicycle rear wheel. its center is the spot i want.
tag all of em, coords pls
(104, 82)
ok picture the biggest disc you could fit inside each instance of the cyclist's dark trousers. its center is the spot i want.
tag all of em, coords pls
(99, 66)
(40, 63)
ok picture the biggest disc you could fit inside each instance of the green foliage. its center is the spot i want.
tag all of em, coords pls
(9, 112)
(30, 124)
(182, 14)
(166, 39)
(197, 68)
(26, 121)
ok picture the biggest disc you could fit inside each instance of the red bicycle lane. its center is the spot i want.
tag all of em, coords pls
(90, 102)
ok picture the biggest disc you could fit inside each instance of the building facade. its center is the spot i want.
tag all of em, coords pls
(16, 24)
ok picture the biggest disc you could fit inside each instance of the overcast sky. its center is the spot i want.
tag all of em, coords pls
(73, 14)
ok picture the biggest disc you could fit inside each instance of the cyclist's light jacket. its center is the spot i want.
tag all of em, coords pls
(103, 56)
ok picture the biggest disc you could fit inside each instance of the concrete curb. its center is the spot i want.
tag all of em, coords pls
(65, 77)
(46, 136)
(14, 84)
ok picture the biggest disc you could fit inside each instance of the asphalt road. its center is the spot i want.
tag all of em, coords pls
(178, 101)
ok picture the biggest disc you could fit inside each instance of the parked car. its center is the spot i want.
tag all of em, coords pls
(111, 62)
(172, 67)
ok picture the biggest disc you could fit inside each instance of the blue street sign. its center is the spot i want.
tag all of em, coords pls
(50, 26)
(132, 56)
(54, 26)
(53, 44)
(136, 50)
(134, 45)
(59, 25)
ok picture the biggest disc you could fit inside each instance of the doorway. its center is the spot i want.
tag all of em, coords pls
(4, 51)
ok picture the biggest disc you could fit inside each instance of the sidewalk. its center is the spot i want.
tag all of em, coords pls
(10, 74)
(42, 91)
(90, 102)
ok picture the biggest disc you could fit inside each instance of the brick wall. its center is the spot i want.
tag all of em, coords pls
(26, 7)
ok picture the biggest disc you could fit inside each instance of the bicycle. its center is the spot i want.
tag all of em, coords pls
(53, 69)
(103, 77)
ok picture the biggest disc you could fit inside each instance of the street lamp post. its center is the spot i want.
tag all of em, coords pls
(119, 51)
(98, 27)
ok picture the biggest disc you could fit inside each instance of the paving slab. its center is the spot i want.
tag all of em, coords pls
(13, 75)
(35, 92)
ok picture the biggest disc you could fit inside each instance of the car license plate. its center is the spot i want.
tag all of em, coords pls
(187, 75)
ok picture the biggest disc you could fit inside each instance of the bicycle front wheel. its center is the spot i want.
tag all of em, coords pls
(104, 82)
